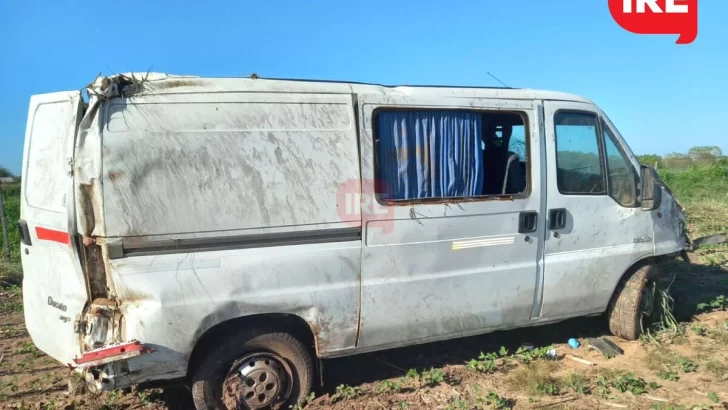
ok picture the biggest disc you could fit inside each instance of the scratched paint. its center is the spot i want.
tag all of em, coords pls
(670, 229)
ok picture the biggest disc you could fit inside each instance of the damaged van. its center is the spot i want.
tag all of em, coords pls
(231, 232)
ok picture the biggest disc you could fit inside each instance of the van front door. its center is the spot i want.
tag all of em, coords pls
(595, 228)
(445, 252)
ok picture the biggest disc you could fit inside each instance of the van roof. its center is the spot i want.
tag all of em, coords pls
(162, 83)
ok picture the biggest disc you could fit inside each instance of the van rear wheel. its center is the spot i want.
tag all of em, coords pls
(254, 370)
(633, 303)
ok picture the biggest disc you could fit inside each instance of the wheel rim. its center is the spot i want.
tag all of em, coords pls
(264, 381)
(648, 299)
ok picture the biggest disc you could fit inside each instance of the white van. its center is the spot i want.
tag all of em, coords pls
(230, 232)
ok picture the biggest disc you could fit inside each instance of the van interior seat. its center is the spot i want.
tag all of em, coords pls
(514, 181)
(504, 173)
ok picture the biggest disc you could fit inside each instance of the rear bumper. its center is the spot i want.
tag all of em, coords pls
(116, 375)
(124, 371)
(107, 368)
(109, 354)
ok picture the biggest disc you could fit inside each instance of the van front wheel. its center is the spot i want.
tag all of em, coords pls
(633, 303)
(254, 370)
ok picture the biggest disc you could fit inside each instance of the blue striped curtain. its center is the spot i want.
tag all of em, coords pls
(430, 154)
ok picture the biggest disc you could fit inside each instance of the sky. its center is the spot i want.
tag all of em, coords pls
(662, 97)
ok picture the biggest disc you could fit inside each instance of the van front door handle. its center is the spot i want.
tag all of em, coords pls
(557, 218)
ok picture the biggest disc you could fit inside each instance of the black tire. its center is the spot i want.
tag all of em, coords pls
(209, 378)
(632, 307)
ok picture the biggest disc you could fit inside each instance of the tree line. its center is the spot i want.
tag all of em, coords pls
(696, 156)
(5, 173)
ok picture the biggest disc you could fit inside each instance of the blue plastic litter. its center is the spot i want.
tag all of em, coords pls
(574, 343)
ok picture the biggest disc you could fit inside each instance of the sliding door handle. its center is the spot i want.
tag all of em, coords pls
(527, 222)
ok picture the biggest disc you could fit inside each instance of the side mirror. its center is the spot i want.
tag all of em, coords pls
(651, 189)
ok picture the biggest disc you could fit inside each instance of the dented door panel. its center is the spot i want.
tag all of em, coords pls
(169, 301)
(203, 165)
(669, 221)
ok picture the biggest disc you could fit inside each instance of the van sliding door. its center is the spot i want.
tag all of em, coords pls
(451, 241)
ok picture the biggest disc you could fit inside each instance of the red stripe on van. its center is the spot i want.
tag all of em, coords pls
(51, 235)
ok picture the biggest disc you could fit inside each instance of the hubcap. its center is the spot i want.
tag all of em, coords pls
(265, 380)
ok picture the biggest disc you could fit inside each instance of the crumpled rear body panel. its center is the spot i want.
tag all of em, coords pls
(169, 301)
(237, 175)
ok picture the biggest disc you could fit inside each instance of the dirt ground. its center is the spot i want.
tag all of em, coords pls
(682, 365)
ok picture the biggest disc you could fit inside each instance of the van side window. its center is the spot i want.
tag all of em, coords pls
(621, 173)
(579, 165)
(448, 154)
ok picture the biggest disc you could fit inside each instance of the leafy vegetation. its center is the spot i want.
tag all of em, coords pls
(668, 375)
(488, 362)
(305, 402)
(713, 397)
(433, 377)
(576, 382)
(390, 386)
(344, 392)
(492, 362)
(493, 399)
(10, 270)
(719, 303)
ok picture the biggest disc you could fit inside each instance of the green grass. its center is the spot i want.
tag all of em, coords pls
(704, 193)
(697, 184)
(10, 270)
